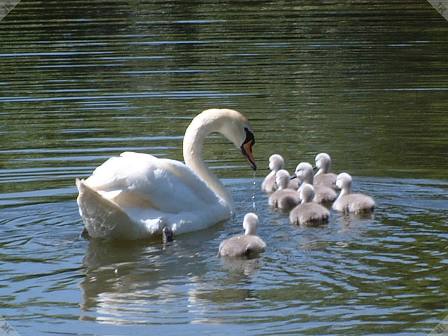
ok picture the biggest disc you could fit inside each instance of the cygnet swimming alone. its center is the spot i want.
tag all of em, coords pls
(323, 176)
(351, 202)
(283, 198)
(246, 245)
(276, 163)
(308, 213)
(322, 194)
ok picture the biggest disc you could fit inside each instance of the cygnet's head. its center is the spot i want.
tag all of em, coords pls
(344, 181)
(276, 162)
(323, 161)
(282, 179)
(306, 192)
(304, 172)
(250, 223)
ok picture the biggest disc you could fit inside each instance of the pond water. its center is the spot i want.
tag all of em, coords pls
(364, 81)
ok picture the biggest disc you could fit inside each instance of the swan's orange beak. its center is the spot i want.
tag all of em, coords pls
(246, 148)
(247, 152)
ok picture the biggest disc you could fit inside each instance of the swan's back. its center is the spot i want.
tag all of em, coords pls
(284, 199)
(324, 194)
(242, 246)
(326, 179)
(268, 184)
(309, 214)
(294, 184)
(104, 218)
(162, 182)
(356, 203)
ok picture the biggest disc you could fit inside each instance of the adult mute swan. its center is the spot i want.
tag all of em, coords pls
(136, 195)
(246, 245)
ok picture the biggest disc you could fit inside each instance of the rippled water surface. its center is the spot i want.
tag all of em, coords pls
(367, 82)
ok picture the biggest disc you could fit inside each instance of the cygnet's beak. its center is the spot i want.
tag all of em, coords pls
(292, 177)
(315, 169)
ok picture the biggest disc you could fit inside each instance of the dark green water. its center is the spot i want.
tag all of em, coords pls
(366, 81)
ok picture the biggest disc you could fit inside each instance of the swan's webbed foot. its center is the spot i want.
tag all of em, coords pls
(167, 235)
(85, 234)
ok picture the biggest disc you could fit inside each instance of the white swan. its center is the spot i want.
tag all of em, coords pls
(135, 195)
(246, 245)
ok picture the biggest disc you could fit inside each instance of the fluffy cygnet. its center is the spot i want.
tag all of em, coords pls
(351, 202)
(322, 194)
(308, 213)
(276, 163)
(283, 198)
(323, 176)
(246, 245)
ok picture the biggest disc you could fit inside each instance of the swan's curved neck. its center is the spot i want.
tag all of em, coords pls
(193, 143)
(308, 176)
(324, 168)
(321, 171)
(346, 190)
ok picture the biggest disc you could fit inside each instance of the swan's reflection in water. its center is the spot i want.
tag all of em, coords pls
(185, 282)
(149, 282)
(341, 231)
(241, 267)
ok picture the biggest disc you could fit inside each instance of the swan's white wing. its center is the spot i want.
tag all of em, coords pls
(135, 180)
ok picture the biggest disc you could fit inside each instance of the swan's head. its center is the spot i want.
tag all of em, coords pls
(323, 161)
(237, 129)
(246, 147)
(282, 179)
(250, 223)
(276, 162)
(230, 123)
(306, 192)
(344, 181)
(304, 172)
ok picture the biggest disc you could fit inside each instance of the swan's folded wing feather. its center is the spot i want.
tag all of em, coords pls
(144, 181)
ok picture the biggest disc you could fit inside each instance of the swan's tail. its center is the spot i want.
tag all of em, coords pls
(102, 217)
